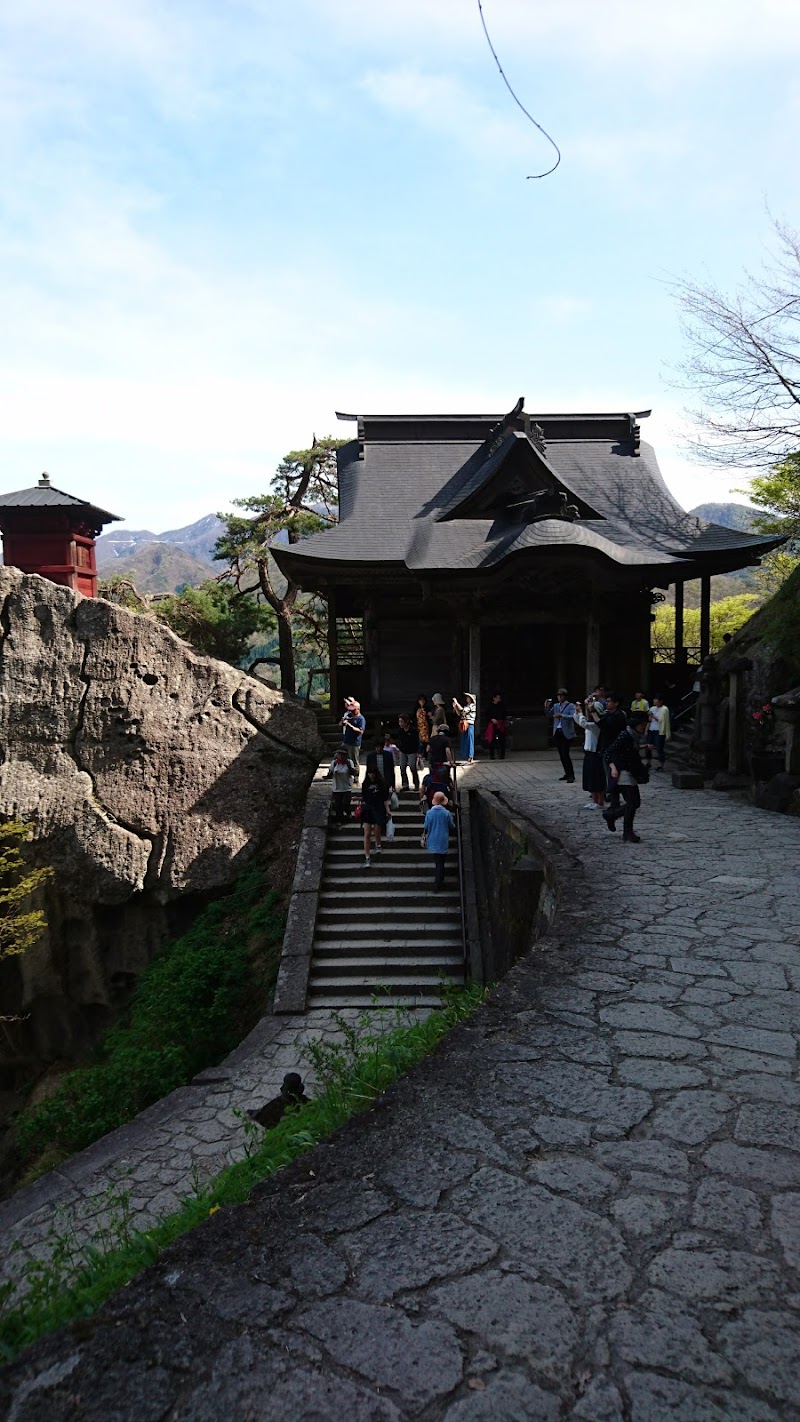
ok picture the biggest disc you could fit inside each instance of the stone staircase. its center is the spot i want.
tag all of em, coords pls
(330, 732)
(382, 931)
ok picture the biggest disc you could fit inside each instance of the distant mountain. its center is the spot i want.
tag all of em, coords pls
(195, 540)
(157, 567)
(739, 516)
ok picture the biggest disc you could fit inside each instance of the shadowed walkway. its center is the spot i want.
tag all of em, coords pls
(586, 1206)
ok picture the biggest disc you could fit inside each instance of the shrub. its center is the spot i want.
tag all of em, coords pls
(189, 1008)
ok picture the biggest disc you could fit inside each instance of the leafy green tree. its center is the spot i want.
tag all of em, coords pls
(775, 568)
(727, 615)
(214, 619)
(302, 500)
(20, 925)
(777, 493)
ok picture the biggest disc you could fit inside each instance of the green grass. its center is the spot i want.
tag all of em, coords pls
(191, 1006)
(77, 1277)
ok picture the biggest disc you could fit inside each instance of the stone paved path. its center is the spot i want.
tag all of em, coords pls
(584, 1208)
(171, 1149)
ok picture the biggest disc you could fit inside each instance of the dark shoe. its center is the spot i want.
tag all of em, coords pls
(631, 839)
(608, 816)
(563, 777)
(659, 767)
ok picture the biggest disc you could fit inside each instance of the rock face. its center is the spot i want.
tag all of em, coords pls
(150, 773)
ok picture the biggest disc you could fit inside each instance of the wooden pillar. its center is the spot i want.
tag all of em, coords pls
(474, 661)
(680, 650)
(734, 717)
(592, 656)
(561, 658)
(333, 651)
(705, 617)
(371, 657)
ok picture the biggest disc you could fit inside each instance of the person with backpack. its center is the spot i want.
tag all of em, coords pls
(375, 812)
(626, 768)
(436, 836)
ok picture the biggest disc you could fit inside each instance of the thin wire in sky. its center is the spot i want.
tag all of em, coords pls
(518, 103)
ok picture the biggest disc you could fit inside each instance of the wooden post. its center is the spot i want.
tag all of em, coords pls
(561, 658)
(733, 723)
(474, 674)
(592, 656)
(333, 651)
(680, 650)
(371, 657)
(705, 617)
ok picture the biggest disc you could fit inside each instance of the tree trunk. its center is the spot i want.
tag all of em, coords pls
(286, 651)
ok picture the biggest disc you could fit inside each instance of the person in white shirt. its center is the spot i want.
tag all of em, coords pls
(587, 716)
(658, 731)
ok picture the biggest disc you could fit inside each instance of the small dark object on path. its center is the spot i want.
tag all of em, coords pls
(687, 780)
(292, 1093)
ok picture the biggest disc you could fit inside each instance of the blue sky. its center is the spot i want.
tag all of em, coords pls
(220, 222)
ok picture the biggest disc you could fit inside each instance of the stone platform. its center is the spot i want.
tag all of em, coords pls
(585, 1207)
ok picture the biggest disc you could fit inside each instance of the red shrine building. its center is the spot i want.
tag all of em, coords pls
(52, 533)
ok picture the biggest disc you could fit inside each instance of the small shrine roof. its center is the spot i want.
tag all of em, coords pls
(44, 496)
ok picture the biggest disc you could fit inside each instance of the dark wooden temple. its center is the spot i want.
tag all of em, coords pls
(510, 553)
(52, 533)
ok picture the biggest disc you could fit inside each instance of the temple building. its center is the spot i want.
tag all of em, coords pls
(507, 553)
(52, 533)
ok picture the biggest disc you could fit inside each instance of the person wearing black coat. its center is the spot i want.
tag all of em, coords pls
(407, 741)
(626, 768)
(612, 722)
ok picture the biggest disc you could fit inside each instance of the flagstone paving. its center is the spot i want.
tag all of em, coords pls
(585, 1207)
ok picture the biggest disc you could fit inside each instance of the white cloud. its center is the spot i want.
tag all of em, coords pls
(682, 35)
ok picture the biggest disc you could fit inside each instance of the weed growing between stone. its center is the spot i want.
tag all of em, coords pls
(191, 1006)
(79, 1274)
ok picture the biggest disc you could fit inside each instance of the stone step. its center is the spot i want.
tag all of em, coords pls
(440, 942)
(397, 914)
(439, 935)
(364, 957)
(404, 882)
(411, 982)
(424, 967)
(331, 999)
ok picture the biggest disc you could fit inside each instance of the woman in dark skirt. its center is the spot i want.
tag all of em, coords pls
(374, 812)
(587, 715)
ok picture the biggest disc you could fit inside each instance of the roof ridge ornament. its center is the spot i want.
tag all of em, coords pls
(499, 431)
(636, 434)
(44, 482)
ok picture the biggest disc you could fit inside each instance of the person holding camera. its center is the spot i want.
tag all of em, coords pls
(353, 727)
(587, 716)
(562, 714)
(626, 769)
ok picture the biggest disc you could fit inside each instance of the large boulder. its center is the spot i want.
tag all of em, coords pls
(151, 775)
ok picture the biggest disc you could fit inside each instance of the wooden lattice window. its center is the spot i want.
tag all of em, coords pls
(350, 641)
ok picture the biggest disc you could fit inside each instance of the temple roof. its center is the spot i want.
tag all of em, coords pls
(44, 496)
(440, 493)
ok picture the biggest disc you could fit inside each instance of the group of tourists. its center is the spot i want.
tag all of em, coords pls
(420, 741)
(619, 741)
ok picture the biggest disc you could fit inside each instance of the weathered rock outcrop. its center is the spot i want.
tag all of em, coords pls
(151, 774)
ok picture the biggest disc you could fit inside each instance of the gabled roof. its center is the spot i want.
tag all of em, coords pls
(44, 496)
(418, 491)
